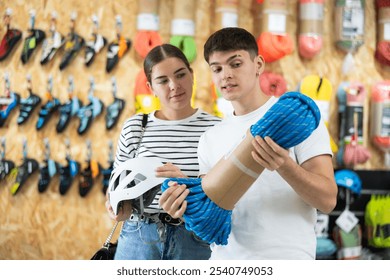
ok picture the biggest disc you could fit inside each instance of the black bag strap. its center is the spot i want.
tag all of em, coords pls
(144, 121)
(143, 128)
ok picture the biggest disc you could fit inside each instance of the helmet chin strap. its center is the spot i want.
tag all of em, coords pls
(141, 205)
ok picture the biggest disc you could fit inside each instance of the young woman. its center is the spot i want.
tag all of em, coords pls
(172, 134)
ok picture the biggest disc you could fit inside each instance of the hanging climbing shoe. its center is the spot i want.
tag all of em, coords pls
(106, 177)
(47, 171)
(67, 111)
(116, 50)
(93, 47)
(114, 111)
(5, 168)
(50, 47)
(67, 175)
(87, 177)
(22, 173)
(9, 42)
(46, 112)
(88, 113)
(31, 43)
(7, 104)
(73, 46)
(27, 106)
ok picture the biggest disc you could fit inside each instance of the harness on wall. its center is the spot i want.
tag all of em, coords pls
(380, 118)
(349, 29)
(351, 98)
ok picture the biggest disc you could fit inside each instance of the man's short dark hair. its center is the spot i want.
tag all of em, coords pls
(230, 39)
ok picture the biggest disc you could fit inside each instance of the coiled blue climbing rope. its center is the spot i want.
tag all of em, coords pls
(288, 122)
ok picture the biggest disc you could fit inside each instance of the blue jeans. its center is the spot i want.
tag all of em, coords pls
(140, 240)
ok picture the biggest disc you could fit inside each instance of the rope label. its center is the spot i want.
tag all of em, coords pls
(277, 23)
(311, 11)
(381, 119)
(148, 22)
(349, 124)
(347, 221)
(384, 24)
(229, 19)
(352, 23)
(185, 27)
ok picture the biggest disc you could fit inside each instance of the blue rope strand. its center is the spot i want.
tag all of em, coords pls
(288, 122)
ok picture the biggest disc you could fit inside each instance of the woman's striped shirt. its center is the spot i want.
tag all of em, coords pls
(170, 141)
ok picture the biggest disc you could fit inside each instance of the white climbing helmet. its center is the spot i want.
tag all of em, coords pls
(133, 178)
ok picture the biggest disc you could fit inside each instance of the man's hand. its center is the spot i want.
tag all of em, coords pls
(268, 154)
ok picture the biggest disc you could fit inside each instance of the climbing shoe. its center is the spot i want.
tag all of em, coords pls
(22, 173)
(5, 168)
(116, 50)
(50, 46)
(27, 106)
(47, 171)
(67, 111)
(35, 37)
(93, 47)
(7, 104)
(67, 175)
(114, 111)
(46, 112)
(87, 177)
(106, 177)
(73, 46)
(9, 42)
(88, 113)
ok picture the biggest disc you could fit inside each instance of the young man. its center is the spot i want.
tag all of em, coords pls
(275, 218)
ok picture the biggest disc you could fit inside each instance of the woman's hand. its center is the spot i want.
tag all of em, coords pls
(173, 200)
(125, 210)
(169, 170)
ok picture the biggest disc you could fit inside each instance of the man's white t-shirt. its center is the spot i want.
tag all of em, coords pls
(270, 221)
